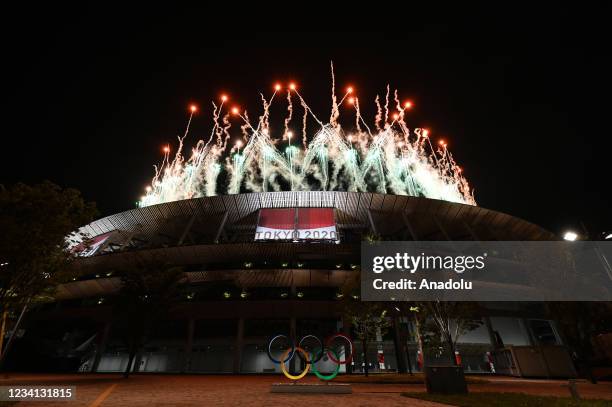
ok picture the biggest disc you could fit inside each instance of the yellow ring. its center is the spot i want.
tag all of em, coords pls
(284, 370)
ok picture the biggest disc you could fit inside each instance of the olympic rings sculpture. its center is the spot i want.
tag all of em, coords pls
(311, 358)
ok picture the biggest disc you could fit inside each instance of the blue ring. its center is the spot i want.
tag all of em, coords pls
(289, 356)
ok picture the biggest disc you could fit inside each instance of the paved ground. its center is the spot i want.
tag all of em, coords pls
(174, 390)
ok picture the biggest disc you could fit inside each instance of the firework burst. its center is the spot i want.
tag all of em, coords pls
(391, 158)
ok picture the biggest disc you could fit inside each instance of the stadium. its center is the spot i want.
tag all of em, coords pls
(260, 264)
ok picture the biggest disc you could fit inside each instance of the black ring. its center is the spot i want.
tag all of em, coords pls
(320, 346)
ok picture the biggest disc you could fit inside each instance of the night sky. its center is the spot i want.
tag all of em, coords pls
(524, 105)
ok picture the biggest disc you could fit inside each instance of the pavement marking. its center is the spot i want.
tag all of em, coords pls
(103, 396)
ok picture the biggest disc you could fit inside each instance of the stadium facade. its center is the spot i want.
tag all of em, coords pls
(260, 264)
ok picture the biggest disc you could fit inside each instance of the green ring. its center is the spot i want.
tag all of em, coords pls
(321, 376)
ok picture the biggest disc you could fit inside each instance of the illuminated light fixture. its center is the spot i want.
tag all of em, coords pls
(425, 133)
(223, 98)
(339, 295)
(292, 86)
(277, 87)
(407, 105)
(243, 294)
(285, 264)
(248, 264)
(354, 266)
(300, 265)
(397, 309)
(190, 296)
(100, 301)
(97, 275)
(349, 89)
(300, 294)
(338, 266)
(227, 294)
(166, 149)
(414, 309)
(608, 237)
(355, 297)
(235, 110)
(193, 108)
(570, 236)
(351, 100)
(284, 295)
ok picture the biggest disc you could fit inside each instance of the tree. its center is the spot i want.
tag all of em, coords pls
(450, 320)
(149, 291)
(368, 318)
(36, 222)
(411, 310)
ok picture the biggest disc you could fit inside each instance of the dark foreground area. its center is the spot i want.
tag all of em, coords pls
(164, 390)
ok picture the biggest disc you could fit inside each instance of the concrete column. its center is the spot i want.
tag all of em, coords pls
(239, 344)
(189, 345)
(101, 346)
(346, 329)
(533, 341)
(138, 361)
(400, 346)
(380, 351)
(293, 338)
(492, 337)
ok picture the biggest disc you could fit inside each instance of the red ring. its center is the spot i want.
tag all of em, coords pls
(329, 353)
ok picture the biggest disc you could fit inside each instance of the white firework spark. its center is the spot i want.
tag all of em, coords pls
(393, 159)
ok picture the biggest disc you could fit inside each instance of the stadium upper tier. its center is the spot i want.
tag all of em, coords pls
(233, 219)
